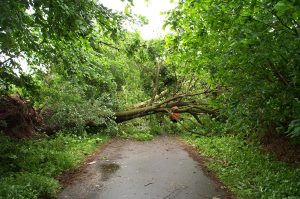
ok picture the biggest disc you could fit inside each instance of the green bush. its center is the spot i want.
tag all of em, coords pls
(68, 106)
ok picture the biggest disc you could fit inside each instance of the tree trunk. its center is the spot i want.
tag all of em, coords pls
(148, 110)
(21, 119)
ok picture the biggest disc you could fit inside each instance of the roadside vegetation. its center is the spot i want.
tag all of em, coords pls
(247, 170)
(29, 168)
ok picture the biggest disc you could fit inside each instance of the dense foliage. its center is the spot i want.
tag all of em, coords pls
(249, 49)
(46, 33)
(51, 53)
(72, 60)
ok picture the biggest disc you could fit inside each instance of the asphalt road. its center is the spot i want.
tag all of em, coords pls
(157, 169)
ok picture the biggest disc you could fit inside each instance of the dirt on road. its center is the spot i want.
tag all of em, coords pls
(157, 169)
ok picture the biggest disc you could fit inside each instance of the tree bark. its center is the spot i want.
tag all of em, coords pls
(165, 107)
(18, 114)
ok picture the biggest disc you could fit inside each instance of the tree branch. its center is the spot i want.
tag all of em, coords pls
(109, 45)
(285, 25)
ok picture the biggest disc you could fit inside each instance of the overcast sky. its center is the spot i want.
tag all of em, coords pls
(151, 10)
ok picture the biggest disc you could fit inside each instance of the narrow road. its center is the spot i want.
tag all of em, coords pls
(157, 169)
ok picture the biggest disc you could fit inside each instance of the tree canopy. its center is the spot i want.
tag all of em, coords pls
(249, 49)
(234, 63)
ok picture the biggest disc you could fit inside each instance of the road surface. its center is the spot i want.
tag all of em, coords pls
(157, 169)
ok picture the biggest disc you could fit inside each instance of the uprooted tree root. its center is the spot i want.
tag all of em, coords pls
(17, 116)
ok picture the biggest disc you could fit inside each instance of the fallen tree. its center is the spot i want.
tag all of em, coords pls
(182, 101)
(19, 119)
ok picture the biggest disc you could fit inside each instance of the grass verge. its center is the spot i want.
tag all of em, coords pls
(29, 168)
(246, 170)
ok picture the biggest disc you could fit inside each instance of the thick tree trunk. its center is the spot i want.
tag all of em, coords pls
(21, 119)
(148, 110)
(191, 106)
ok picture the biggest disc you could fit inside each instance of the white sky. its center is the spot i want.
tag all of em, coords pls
(150, 9)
